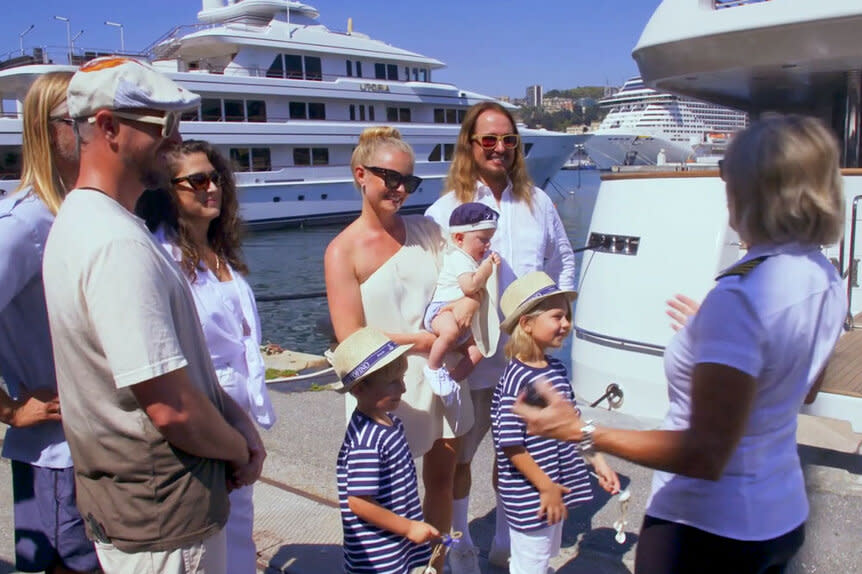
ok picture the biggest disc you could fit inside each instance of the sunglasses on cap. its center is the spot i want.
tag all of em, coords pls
(489, 141)
(199, 181)
(393, 179)
(170, 122)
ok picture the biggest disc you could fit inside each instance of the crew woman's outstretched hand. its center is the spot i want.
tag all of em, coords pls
(559, 419)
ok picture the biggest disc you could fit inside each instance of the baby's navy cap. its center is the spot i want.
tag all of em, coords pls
(472, 217)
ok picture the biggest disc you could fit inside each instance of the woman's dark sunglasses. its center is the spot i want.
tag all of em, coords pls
(393, 179)
(489, 141)
(199, 181)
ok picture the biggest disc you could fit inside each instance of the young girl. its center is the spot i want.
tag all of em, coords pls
(539, 478)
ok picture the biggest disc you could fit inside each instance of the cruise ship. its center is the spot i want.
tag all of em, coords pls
(286, 98)
(647, 127)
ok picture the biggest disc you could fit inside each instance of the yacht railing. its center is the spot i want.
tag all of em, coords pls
(720, 4)
(58, 55)
(173, 33)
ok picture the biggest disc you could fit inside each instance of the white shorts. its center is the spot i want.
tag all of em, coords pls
(205, 557)
(530, 552)
(481, 424)
(432, 311)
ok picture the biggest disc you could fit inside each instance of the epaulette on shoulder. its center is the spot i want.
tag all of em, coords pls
(744, 268)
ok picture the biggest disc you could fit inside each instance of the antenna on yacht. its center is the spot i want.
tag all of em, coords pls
(68, 34)
(75, 37)
(24, 33)
(122, 36)
(287, 19)
(350, 26)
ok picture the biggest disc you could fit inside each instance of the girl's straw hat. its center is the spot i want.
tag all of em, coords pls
(362, 353)
(525, 293)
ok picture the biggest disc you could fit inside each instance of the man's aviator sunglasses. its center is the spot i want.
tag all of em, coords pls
(489, 141)
(393, 179)
(169, 122)
(199, 181)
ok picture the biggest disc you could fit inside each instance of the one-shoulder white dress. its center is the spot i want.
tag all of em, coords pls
(394, 299)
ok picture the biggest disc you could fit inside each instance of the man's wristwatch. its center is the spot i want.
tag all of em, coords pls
(586, 445)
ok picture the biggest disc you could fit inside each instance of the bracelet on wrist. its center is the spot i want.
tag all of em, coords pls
(586, 445)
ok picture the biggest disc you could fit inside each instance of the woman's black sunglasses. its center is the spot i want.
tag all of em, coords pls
(199, 181)
(393, 179)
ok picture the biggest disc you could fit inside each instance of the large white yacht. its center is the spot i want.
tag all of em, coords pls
(286, 98)
(646, 126)
(662, 233)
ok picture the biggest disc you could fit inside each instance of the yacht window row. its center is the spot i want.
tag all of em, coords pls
(448, 116)
(250, 159)
(390, 72)
(241, 110)
(361, 116)
(295, 67)
(228, 110)
(307, 110)
(245, 159)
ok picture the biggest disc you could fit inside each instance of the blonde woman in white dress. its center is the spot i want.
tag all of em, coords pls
(197, 222)
(381, 272)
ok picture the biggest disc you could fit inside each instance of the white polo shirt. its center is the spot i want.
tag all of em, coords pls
(779, 323)
(528, 238)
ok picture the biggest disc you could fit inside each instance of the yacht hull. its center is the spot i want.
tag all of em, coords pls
(620, 325)
(609, 150)
(295, 196)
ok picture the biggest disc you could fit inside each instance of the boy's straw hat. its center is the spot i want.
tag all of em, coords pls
(525, 293)
(362, 353)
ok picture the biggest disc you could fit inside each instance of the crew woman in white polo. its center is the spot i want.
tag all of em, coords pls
(729, 494)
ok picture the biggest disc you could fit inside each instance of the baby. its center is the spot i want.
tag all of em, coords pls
(464, 273)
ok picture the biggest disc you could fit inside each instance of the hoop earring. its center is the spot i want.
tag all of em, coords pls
(362, 189)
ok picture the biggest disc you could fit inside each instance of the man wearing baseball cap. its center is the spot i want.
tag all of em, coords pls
(152, 435)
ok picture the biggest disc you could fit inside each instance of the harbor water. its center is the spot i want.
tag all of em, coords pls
(290, 261)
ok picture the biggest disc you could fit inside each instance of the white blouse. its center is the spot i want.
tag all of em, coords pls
(231, 326)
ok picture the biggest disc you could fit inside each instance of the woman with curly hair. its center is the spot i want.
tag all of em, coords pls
(197, 221)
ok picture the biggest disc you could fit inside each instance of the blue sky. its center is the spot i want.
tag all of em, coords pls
(496, 51)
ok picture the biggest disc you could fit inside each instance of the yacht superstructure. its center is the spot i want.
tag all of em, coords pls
(286, 98)
(646, 126)
(661, 233)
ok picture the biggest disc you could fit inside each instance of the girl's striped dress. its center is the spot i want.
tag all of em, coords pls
(560, 460)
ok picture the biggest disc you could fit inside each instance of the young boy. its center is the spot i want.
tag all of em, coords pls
(464, 273)
(384, 530)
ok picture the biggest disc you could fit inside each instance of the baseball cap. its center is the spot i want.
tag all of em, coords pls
(472, 217)
(118, 83)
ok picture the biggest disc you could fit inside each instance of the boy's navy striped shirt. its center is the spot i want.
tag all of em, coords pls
(559, 460)
(375, 461)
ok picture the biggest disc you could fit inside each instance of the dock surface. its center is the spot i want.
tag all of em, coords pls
(298, 528)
